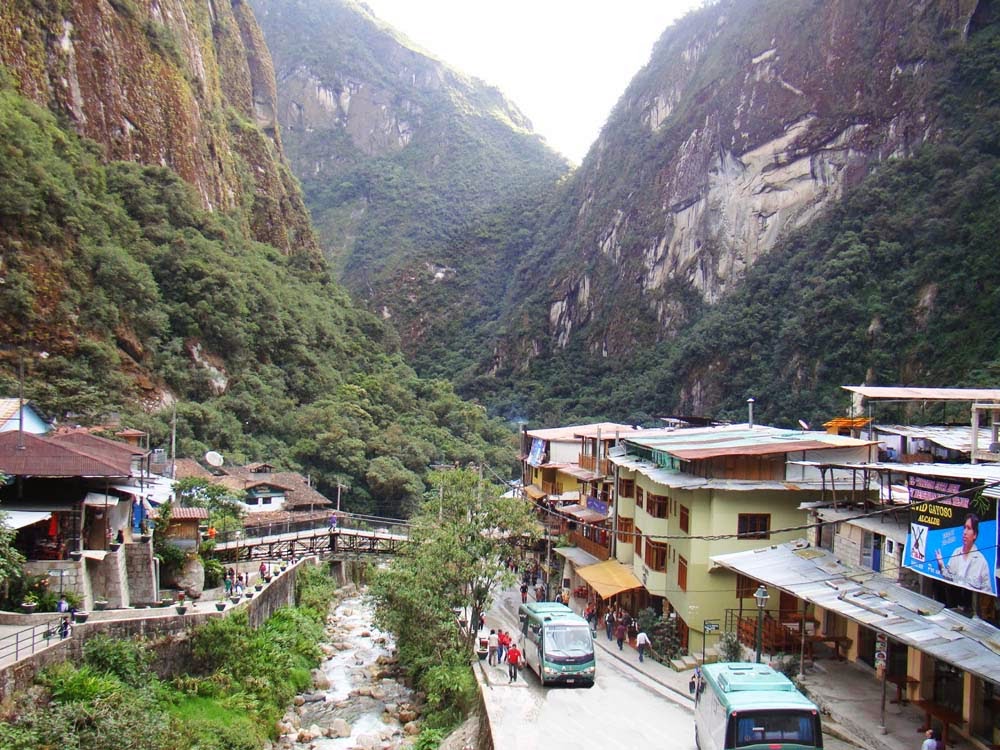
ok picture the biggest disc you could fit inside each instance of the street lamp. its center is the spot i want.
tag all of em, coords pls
(761, 596)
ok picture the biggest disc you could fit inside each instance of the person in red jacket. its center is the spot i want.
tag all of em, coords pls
(513, 661)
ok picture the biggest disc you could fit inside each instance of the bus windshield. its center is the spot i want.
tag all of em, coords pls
(564, 643)
(757, 727)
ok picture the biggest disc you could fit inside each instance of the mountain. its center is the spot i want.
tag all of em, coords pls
(755, 129)
(156, 258)
(725, 237)
(424, 184)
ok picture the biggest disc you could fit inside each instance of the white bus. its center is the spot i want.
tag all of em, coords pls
(742, 705)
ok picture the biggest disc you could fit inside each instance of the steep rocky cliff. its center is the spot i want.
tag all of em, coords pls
(752, 118)
(178, 83)
(406, 164)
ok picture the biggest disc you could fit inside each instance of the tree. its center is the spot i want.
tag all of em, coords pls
(10, 559)
(460, 536)
(222, 503)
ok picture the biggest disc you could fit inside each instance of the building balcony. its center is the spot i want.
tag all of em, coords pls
(592, 463)
(598, 550)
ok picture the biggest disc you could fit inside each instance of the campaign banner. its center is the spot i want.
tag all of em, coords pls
(953, 533)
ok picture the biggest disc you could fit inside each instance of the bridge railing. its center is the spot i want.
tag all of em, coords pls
(344, 521)
(28, 640)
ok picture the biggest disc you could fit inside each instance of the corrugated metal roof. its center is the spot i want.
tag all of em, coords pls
(925, 394)
(43, 457)
(584, 475)
(880, 524)
(576, 556)
(815, 575)
(736, 440)
(583, 513)
(951, 437)
(608, 431)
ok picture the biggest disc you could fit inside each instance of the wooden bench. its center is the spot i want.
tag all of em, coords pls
(945, 715)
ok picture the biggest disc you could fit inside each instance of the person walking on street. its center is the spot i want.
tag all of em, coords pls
(494, 644)
(609, 622)
(620, 633)
(524, 593)
(642, 643)
(513, 660)
(503, 641)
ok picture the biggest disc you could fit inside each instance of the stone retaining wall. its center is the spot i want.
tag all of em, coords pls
(169, 635)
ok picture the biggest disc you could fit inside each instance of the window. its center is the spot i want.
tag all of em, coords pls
(626, 487)
(685, 520)
(656, 556)
(682, 573)
(754, 526)
(625, 529)
(638, 497)
(656, 505)
(638, 541)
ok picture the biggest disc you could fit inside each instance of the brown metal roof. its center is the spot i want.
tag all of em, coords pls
(42, 457)
(925, 394)
(95, 445)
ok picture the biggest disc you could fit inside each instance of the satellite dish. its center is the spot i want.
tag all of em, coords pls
(213, 459)
(803, 424)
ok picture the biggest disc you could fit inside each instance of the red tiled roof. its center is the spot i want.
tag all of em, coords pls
(186, 514)
(188, 467)
(42, 457)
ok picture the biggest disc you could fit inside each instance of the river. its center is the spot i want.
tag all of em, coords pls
(359, 700)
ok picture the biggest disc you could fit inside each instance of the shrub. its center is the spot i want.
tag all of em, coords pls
(129, 661)
(730, 648)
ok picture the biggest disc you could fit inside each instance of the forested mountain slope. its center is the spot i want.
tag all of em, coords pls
(423, 183)
(155, 256)
(882, 279)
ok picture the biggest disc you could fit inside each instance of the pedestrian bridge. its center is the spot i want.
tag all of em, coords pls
(353, 536)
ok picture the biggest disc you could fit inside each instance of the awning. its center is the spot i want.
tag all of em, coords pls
(577, 556)
(583, 513)
(18, 519)
(533, 492)
(609, 578)
(94, 500)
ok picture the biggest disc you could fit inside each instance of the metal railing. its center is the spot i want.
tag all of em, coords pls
(344, 521)
(29, 640)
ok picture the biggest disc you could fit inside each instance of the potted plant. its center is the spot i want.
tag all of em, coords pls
(75, 554)
(248, 593)
(30, 602)
(166, 601)
(220, 605)
(100, 604)
(79, 616)
(258, 586)
(235, 598)
(114, 546)
(181, 608)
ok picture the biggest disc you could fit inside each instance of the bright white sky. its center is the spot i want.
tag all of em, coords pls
(564, 63)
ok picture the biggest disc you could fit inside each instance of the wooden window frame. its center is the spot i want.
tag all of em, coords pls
(682, 573)
(639, 497)
(747, 525)
(655, 556)
(656, 505)
(626, 487)
(638, 541)
(684, 519)
(626, 527)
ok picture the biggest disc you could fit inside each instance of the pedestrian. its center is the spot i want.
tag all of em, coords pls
(62, 605)
(539, 593)
(228, 585)
(65, 628)
(930, 740)
(642, 643)
(120, 537)
(482, 620)
(503, 642)
(262, 569)
(513, 661)
(609, 622)
(491, 652)
(524, 593)
(333, 522)
(620, 633)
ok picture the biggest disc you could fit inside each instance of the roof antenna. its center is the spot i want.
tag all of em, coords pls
(750, 403)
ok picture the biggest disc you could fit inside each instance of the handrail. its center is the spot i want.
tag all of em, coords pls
(344, 520)
(33, 638)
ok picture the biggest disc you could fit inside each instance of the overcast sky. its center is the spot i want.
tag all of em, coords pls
(564, 63)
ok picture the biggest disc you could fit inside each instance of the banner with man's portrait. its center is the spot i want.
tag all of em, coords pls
(953, 533)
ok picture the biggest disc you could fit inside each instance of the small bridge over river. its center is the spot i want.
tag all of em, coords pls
(353, 536)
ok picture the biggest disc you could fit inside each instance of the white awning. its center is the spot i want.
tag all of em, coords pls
(577, 556)
(94, 500)
(18, 519)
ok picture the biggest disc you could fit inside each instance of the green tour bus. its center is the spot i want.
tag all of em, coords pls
(557, 643)
(743, 705)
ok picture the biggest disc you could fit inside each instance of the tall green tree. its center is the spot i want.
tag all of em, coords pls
(461, 534)
(10, 559)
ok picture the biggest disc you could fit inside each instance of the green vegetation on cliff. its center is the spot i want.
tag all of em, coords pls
(138, 296)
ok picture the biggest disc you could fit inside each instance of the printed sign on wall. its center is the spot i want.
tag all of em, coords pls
(953, 537)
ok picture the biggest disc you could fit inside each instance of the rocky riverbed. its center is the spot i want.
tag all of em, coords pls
(359, 699)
